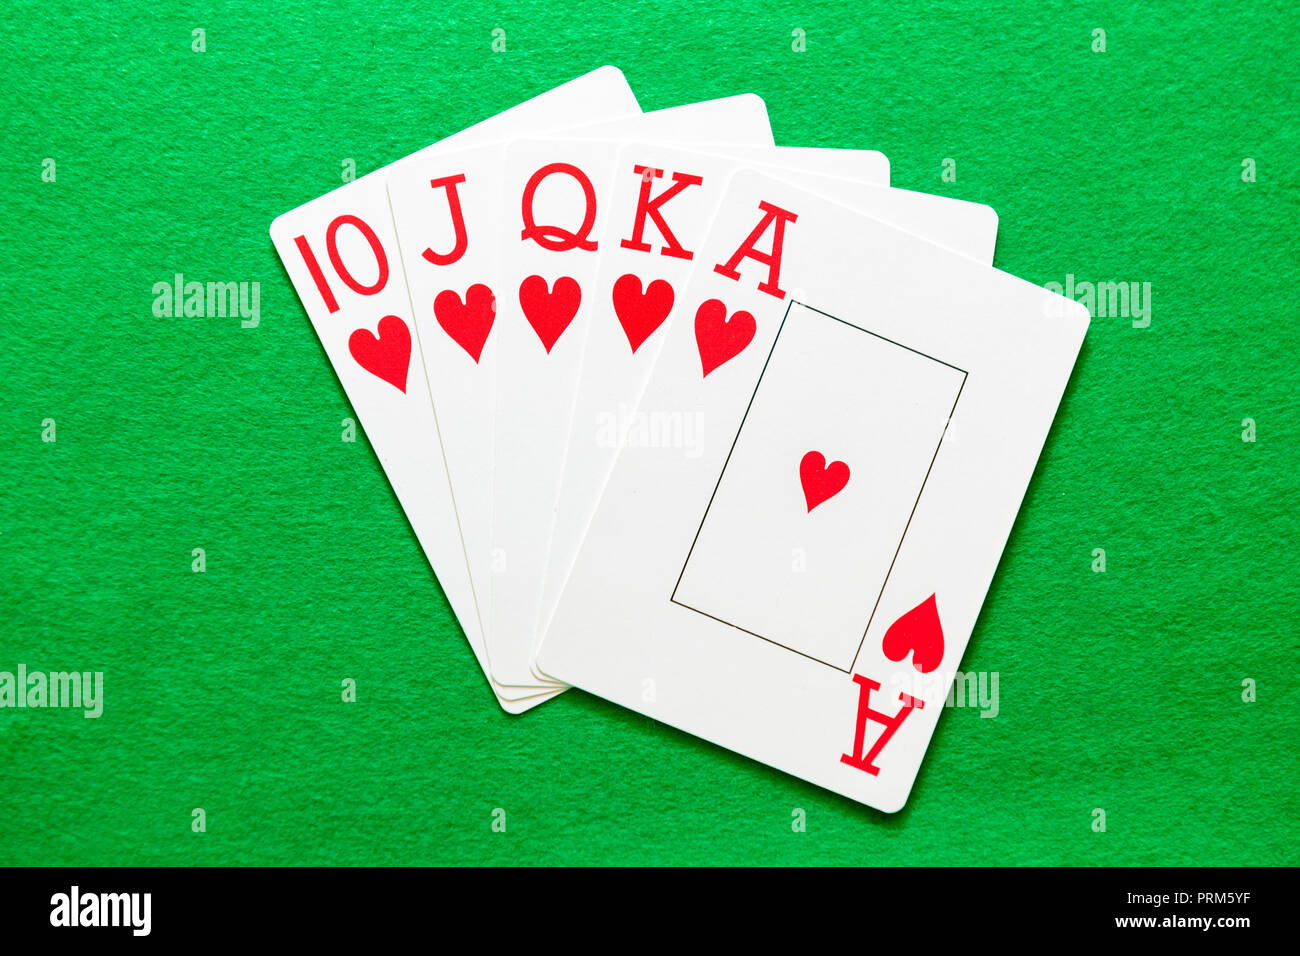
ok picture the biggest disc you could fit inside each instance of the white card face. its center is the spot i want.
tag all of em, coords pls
(827, 385)
(878, 433)
(550, 252)
(626, 334)
(446, 208)
(341, 254)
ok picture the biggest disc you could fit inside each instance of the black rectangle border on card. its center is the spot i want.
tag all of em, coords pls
(883, 584)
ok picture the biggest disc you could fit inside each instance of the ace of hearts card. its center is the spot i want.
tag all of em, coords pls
(800, 587)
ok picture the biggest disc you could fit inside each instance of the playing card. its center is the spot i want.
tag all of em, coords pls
(556, 193)
(800, 583)
(444, 207)
(340, 253)
(664, 200)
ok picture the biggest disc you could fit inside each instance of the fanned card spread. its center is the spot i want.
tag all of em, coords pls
(727, 432)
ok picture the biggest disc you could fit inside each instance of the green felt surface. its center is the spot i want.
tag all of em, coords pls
(1119, 690)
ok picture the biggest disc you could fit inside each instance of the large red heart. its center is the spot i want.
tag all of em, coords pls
(469, 322)
(720, 338)
(820, 480)
(388, 355)
(640, 313)
(919, 632)
(549, 311)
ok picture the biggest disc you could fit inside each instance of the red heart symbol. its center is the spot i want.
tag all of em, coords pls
(640, 313)
(719, 338)
(549, 311)
(820, 480)
(388, 355)
(919, 632)
(467, 323)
